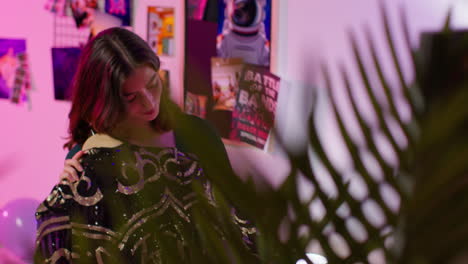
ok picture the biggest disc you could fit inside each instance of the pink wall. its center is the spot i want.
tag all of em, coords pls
(30, 139)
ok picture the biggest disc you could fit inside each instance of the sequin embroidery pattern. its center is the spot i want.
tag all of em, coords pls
(126, 200)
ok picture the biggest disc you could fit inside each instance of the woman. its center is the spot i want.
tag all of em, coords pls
(132, 201)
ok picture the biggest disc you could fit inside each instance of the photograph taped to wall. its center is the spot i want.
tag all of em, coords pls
(65, 63)
(244, 30)
(160, 30)
(56, 6)
(13, 69)
(224, 77)
(195, 104)
(120, 9)
(83, 11)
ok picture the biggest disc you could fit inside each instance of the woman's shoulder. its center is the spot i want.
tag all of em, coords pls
(101, 141)
(93, 142)
(190, 118)
(198, 136)
(198, 124)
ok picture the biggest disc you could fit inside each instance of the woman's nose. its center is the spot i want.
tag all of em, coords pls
(148, 99)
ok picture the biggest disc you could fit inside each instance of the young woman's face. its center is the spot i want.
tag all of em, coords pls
(142, 93)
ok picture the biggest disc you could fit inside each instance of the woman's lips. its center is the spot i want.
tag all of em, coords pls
(149, 112)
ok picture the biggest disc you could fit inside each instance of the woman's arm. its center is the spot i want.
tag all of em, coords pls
(70, 222)
(201, 138)
(53, 239)
(72, 164)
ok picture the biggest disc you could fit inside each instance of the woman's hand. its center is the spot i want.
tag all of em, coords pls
(71, 167)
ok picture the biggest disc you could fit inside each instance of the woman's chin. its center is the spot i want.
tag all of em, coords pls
(151, 117)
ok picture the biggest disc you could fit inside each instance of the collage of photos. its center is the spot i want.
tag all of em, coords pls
(91, 16)
(240, 42)
(14, 70)
(99, 15)
(241, 107)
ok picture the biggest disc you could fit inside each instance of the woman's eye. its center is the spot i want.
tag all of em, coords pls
(131, 98)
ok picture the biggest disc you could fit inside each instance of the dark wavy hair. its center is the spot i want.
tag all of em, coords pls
(107, 60)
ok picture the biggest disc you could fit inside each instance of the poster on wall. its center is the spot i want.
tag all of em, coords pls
(83, 11)
(166, 37)
(196, 9)
(160, 30)
(64, 63)
(98, 16)
(254, 114)
(244, 30)
(56, 6)
(14, 70)
(225, 75)
(120, 9)
(243, 102)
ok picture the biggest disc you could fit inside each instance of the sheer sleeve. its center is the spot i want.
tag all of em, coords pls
(70, 224)
(215, 162)
(53, 238)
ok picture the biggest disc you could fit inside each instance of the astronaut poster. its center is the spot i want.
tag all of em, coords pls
(254, 113)
(244, 30)
(161, 30)
(14, 70)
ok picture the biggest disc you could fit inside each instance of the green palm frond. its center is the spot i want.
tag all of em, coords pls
(413, 213)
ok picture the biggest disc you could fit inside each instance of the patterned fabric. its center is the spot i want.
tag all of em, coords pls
(131, 205)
